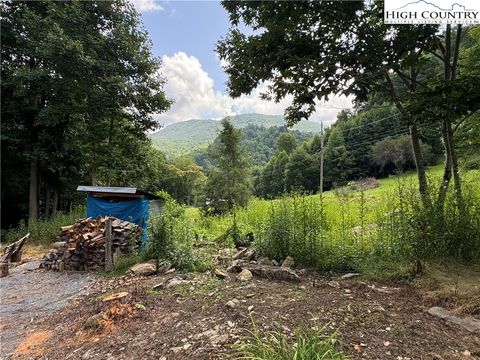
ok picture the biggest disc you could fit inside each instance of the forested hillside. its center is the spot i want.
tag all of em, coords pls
(187, 136)
(259, 143)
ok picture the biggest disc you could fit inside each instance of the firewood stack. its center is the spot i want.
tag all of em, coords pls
(81, 246)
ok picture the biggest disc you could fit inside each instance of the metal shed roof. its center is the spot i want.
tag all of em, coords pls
(117, 191)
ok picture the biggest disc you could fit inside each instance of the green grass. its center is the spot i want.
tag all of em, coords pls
(304, 345)
(44, 231)
(377, 231)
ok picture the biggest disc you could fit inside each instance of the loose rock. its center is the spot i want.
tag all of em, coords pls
(232, 304)
(158, 286)
(143, 269)
(288, 262)
(245, 275)
(265, 261)
(176, 281)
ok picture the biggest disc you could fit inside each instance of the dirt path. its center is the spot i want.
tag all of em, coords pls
(29, 296)
(373, 320)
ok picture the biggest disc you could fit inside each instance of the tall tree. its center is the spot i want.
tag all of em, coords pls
(78, 81)
(301, 171)
(312, 49)
(338, 160)
(286, 142)
(228, 184)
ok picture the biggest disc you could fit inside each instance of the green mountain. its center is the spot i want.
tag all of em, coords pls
(187, 136)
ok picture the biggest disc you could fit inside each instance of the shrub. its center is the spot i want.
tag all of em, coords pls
(472, 163)
(171, 238)
(274, 345)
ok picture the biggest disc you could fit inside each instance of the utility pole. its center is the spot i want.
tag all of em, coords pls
(321, 159)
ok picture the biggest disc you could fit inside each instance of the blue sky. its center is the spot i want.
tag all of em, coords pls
(193, 27)
(184, 35)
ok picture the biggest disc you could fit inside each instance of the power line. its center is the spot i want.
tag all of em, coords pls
(378, 135)
(372, 122)
(374, 140)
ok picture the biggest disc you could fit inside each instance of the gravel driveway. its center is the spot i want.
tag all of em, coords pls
(29, 294)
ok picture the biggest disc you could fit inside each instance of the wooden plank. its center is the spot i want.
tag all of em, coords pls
(108, 245)
(13, 252)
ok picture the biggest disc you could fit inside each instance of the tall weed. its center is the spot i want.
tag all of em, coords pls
(44, 231)
(376, 231)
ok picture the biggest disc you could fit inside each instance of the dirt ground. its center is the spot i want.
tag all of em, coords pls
(29, 295)
(373, 320)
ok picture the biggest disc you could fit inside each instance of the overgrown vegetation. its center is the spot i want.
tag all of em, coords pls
(374, 231)
(172, 238)
(44, 231)
(275, 345)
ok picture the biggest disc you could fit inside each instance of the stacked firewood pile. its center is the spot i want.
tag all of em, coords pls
(82, 246)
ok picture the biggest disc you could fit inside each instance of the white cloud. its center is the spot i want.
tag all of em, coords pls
(196, 98)
(147, 5)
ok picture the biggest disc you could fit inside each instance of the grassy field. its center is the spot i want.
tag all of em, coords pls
(375, 230)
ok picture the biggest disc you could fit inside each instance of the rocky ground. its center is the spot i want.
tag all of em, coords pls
(200, 316)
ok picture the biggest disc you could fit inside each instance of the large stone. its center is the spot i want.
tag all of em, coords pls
(264, 261)
(272, 272)
(468, 323)
(177, 281)
(288, 262)
(245, 275)
(143, 269)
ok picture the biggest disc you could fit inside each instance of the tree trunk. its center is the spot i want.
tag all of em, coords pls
(33, 197)
(55, 203)
(451, 160)
(456, 174)
(417, 151)
(420, 164)
(48, 201)
(447, 171)
(453, 152)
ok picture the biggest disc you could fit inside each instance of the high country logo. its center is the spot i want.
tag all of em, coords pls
(432, 12)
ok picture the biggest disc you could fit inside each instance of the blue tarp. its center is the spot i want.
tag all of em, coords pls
(135, 211)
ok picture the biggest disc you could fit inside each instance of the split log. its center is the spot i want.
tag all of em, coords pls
(13, 252)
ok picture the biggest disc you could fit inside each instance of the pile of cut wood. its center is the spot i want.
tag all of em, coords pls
(84, 245)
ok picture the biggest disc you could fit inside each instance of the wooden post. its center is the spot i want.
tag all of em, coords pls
(108, 244)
